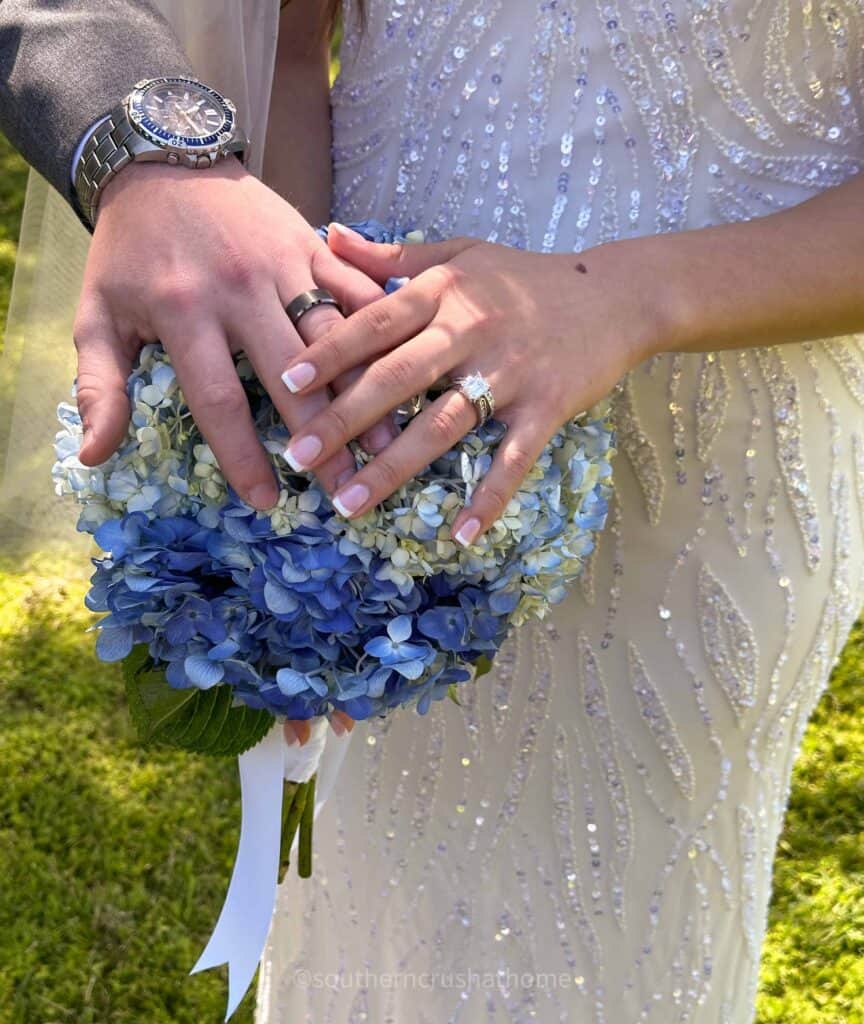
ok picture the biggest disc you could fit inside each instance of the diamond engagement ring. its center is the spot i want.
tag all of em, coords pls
(476, 389)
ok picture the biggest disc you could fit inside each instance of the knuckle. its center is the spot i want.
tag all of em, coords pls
(518, 461)
(221, 397)
(179, 295)
(86, 327)
(439, 279)
(493, 496)
(488, 320)
(445, 426)
(377, 318)
(335, 423)
(393, 374)
(239, 271)
(86, 390)
(387, 473)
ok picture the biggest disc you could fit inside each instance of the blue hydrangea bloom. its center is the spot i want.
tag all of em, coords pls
(297, 609)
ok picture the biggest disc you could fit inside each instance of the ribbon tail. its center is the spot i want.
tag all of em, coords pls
(241, 931)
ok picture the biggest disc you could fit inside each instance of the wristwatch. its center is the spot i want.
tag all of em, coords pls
(175, 120)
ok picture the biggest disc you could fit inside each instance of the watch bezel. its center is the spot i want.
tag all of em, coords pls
(168, 140)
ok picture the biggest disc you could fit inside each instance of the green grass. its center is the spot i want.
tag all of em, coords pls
(114, 862)
(813, 964)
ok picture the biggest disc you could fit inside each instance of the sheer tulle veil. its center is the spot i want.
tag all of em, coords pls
(232, 45)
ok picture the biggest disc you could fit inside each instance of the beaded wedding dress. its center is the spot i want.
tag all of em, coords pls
(590, 837)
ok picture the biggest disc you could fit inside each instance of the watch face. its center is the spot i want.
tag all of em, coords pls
(181, 112)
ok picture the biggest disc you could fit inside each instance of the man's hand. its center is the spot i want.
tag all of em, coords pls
(205, 262)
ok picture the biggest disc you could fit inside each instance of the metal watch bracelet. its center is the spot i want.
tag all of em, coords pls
(114, 144)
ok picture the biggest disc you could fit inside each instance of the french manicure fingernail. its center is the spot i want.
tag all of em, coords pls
(299, 454)
(299, 377)
(379, 437)
(290, 734)
(467, 532)
(340, 229)
(261, 496)
(338, 726)
(351, 499)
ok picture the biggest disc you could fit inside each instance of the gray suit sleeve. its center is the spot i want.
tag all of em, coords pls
(65, 63)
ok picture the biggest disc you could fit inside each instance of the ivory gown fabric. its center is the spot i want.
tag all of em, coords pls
(591, 837)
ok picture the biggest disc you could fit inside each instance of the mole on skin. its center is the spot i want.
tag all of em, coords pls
(581, 268)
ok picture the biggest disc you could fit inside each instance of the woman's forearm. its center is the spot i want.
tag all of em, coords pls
(796, 275)
(297, 156)
(549, 335)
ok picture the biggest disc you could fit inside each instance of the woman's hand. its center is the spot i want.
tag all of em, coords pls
(552, 334)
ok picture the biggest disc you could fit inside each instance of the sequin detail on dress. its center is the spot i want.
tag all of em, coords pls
(661, 726)
(603, 809)
(711, 403)
(634, 443)
(729, 641)
(785, 395)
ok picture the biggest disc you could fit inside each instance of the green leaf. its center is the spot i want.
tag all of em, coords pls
(482, 666)
(202, 721)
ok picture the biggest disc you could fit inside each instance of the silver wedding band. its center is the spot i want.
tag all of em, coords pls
(299, 307)
(477, 390)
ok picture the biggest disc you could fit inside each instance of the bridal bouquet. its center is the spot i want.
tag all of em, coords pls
(230, 620)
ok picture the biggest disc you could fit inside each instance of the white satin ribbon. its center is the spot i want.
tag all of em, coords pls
(241, 931)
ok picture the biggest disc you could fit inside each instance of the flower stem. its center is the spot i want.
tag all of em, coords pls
(304, 855)
(293, 803)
